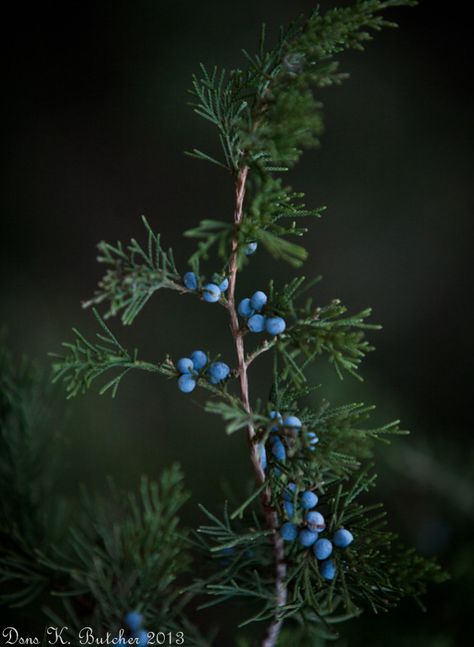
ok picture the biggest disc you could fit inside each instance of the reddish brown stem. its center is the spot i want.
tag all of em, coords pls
(271, 517)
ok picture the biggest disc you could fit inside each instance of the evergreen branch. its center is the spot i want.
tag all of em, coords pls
(30, 518)
(209, 233)
(327, 331)
(134, 273)
(219, 99)
(86, 361)
(263, 348)
(127, 554)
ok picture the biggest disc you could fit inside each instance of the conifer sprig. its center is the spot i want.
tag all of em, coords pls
(86, 361)
(134, 273)
(265, 116)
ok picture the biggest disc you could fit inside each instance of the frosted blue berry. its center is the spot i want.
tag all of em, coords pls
(190, 281)
(307, 538)
(289, 492)
(142, 638)
(133, 620)
(275, 325)
(289, 531)
(199, 359)
(258, 300)
(256, 323)
(275, 415)
(211, 293)
(278, 450)
(328, 569)
(315, 520)
(293, 422)
(263, 456)
(186, 383)
(218, 371)
(322, 549)
(309, 500)
(289, 508)
(244, 309)
(185, 365)
(250, 248)
(342, 538)
(224, 285)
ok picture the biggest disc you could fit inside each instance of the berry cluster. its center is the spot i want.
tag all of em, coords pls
(190, 368)
(280, 433)
(312, 525)
(251, 308)
(133, 622)
(211, 292)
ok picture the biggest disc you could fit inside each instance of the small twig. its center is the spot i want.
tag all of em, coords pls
(259, 351)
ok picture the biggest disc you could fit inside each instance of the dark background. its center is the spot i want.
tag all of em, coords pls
(95, 126)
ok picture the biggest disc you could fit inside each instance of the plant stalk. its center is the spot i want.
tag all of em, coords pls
(271, 517)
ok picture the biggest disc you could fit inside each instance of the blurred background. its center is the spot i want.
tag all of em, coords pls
(96, 121)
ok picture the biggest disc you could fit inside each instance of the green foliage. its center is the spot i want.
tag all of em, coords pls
(127, 553)
(133, 275)
(28, 519)
(86, 361)
(327, 331)
(218, 97)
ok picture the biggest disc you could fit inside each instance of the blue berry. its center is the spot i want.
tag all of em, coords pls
(258, 300)
(289, 531)
(224, 285)
(256, 323)
(278, 450)
(245, 309)
(186, 383)
(211, 293)
(275, 415)
(199, 359)
(275, 325)
(250, 248)
(142, 637)
(133, 620)
(263, 456)
(293, 422)
(289, 508)
(289, 492)
(342, 538)
(322, 549)
(328, 569)
(309, 500)
(218, 371)
(315, 520)
(185, 365)
(307, 538)
(190, 281)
